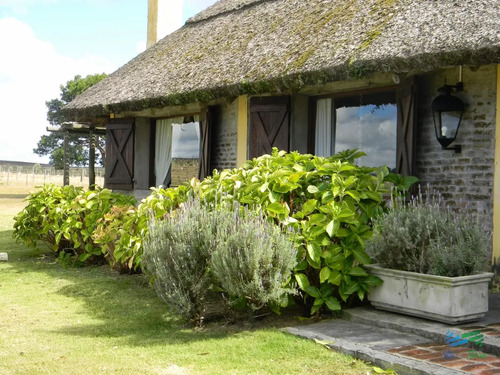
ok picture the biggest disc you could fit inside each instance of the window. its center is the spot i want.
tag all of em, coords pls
(365, 121)
(177, 150)
(185, 152)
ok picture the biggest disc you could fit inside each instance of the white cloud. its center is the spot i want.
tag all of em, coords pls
(169, 16)
(30, 73)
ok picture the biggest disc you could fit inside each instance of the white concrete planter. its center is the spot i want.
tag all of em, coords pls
(449, 300)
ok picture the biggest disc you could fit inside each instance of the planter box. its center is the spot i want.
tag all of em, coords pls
(449, 300)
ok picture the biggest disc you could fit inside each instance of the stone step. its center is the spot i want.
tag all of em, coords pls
(434, 331)
(374, 344)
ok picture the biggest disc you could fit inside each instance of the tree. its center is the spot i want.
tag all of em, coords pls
(52, 144)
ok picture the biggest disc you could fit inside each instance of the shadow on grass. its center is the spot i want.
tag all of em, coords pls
(124, 306)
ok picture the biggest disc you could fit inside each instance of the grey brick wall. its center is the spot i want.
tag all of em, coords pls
(465, 179)
(224, 139)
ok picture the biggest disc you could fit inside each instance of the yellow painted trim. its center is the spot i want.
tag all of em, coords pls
(241, 154)
(496, 187)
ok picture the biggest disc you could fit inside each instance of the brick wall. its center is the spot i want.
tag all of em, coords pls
(465, 179)
(224, 140)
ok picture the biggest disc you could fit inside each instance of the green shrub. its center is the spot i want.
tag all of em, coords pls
(176, 253)
(107, 235)
(121, 233)
(426, 236)
(328, 201)
(65, 218)
(253, 258)
(38, 222)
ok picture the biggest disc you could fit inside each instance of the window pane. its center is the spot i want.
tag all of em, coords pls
(370, 127)
(185, 152)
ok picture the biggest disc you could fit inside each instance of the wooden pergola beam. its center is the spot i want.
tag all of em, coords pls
(78, 128)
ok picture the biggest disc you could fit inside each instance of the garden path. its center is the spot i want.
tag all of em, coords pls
(410, 345)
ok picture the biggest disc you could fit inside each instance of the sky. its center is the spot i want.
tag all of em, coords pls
(45, 43)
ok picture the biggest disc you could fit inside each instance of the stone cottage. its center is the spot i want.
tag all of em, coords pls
(317, 76)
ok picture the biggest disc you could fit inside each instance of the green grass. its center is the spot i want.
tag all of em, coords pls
(93, 321)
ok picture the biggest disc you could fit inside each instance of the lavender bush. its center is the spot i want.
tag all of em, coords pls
(253, 258)
(176, 253)
(199, 248)
(426, 236)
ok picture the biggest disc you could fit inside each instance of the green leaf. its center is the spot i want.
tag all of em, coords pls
(332, 303)
(313, 291)
(312, 189)
(314, 251)
(276, 208)
(309, 206)
(361, 255)
(301, 266)
(323, 342)
(357, 271)
(351, 288)
(335, 278)
(83, 257)
(302, 280)
(317, 219)
(324, 274)
(332, 227)
(283, 187)
(354, 194)
(373, 195)
(372, 280)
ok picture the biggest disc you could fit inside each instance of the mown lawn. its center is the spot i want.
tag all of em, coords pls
(94, 321)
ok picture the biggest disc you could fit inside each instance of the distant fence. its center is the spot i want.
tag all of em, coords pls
(32, 175)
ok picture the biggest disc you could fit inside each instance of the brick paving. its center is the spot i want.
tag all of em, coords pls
(412, 345)
(464, 359)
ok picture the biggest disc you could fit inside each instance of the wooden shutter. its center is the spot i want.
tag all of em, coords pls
(205, 134)
(406, 99)
(269, 125)
(119, 154)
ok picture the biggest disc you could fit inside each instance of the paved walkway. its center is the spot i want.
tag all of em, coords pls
(410, 345)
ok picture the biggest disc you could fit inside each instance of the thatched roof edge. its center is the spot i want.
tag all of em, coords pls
(293, 83)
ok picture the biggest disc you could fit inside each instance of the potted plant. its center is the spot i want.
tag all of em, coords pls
(431, 260)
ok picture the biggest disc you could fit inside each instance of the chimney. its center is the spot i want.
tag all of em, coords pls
(164, 17)
(152, 22)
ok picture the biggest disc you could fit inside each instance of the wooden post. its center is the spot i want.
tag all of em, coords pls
(92, 139)
(66, 158)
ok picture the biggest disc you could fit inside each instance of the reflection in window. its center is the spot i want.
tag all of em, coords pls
(366, 122)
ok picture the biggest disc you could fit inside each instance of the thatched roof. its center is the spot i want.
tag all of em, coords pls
(255, 46)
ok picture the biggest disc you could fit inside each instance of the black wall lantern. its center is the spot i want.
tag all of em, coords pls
(447, 111)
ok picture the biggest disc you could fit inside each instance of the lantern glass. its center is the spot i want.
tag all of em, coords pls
(447, 111)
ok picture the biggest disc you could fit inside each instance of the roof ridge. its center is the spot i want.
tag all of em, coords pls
(200, 17)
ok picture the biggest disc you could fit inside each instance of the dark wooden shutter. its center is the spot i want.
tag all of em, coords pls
(406, 99)
(269, 125)
(119, 154)
(205, 134)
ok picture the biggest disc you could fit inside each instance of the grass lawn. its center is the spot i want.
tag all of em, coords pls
(94, 321)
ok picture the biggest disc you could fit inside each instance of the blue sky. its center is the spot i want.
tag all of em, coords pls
(44, 43)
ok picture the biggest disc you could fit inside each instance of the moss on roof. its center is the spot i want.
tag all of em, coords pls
(255, 46)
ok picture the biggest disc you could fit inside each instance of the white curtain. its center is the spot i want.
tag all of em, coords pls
(163, 149)
(323, 138)
(197, 128)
